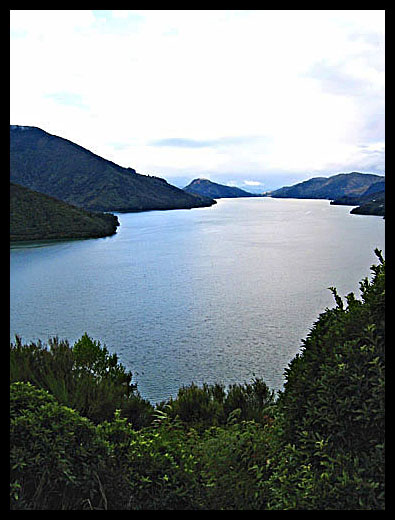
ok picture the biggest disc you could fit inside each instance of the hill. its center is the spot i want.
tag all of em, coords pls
(215, 191)
(370, 202)
(62, 169)
(334, 187)
(35, 216)
(376, 206)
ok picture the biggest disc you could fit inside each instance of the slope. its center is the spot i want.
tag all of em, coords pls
(214, 190)
(35, 216)
(67, 171)
(334, 187)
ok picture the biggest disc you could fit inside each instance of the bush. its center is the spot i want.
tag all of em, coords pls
(56, 455)
(152, 469)
(85, 377)
(232, 464)
(330, 418)
(211, 405)
(319, 446)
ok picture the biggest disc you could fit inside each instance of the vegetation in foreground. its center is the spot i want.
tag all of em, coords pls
(82, 438)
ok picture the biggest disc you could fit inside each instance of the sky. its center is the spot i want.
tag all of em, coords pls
(257, 99)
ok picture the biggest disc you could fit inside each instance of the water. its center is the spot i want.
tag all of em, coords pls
(218, 294)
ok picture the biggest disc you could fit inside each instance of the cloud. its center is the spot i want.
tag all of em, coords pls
(356, 77)
(203, 143)
(372, 156)
(180, 142)
(68, 99)
(243, 93)
(253, 183)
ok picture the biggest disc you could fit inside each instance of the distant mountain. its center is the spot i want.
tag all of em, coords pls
(215, 191)
(35, 216)
(334, 187)
(62, 169)
(370, 202)
(376, 206)
(375, 188)
(368, 195)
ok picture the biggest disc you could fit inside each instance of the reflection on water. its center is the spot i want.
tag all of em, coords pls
(214, 294)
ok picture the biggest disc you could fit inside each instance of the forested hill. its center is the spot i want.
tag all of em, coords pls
(370, 202)
(62, 169)
(334, 187)
(35, 216)
(214, 190)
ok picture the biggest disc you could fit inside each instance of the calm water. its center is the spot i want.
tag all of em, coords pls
(218, 294)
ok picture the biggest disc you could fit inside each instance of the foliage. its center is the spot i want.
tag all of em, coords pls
(157, 466)
(211, 405)
(85, 377)
(330, 418)
(319, 446)
(232, 463)
(55, 453)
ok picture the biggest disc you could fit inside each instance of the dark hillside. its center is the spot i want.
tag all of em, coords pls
(334, 187)
(214, 190)
(34, 216)
(369, 202)
(67, 171)
(375, 206)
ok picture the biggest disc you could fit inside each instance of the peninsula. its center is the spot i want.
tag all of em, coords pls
(35, 216)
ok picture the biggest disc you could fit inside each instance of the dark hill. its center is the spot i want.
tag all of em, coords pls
(35, 216)
(334, 187)
(214, 190)
(375, 206)
(67, 171)
(370, 202)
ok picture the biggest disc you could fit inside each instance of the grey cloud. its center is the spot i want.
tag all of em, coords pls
(374, 129)
(181, 142)
(68, 99)
(337, 80)
(367, 47)
(372, 159)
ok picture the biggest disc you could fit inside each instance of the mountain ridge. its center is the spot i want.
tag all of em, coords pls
(205, 187)
(333, 187)
(67, 171)
(370, 202)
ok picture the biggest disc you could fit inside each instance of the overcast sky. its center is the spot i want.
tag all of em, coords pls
(258, 99)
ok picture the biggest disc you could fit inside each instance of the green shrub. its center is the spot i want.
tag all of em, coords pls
(319, 446)
(60, 460)
(232, 463)
(152, 469)
(211, 405)
(252, 399)
(198, 406)
(55, 455)
(85, 377)
(330, 418)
